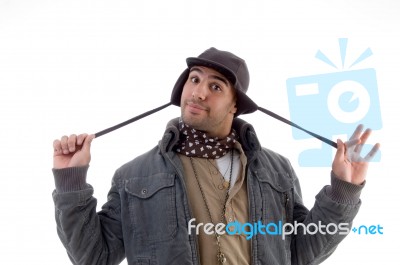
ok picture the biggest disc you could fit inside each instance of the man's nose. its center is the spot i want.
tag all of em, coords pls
(200, 91)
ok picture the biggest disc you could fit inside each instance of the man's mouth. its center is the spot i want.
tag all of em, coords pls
(195, 108)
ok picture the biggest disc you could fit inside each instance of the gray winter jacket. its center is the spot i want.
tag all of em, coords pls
(146, 216)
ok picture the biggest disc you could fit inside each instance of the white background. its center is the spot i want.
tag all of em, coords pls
(81, 66)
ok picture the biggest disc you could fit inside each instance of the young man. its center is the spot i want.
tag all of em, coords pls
(208, 193)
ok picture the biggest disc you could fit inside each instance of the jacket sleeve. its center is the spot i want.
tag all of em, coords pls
(89, 237)
(335, 207)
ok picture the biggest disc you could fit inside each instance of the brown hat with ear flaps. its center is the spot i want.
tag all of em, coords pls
(230, 66)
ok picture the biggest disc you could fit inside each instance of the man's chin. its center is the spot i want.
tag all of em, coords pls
(196, 124)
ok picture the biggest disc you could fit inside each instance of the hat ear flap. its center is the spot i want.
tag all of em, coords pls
(178, 88)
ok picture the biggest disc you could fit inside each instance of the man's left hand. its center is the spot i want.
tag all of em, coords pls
(348, 165)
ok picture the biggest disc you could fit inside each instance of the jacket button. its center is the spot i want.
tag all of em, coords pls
(144, 191)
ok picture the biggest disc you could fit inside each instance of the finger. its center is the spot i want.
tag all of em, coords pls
(372, 153)
(357, 132)
(64, 145)
(57, 146)
(363, 140)
(72, 143)
(350, 147)
(358, 148)
(351, 143)
(365, 135)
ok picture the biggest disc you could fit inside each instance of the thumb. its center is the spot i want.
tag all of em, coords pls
(337, 164)
(341, 148)
(87, 142)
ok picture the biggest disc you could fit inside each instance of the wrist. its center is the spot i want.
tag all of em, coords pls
(70, 179)
(343, 191)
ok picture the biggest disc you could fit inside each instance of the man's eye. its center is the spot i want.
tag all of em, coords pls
(194, 79)
(215, 87)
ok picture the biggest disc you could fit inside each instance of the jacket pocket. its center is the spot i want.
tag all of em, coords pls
(277, 194)
(277, 209)
(152, 207)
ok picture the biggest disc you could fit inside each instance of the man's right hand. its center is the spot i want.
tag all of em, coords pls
(72, 151)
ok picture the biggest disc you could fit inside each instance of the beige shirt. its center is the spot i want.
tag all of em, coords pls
(235, 247)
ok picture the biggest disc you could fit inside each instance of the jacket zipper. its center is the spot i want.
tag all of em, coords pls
(285, 208)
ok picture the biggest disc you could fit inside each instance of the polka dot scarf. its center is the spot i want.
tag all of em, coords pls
(195, 143)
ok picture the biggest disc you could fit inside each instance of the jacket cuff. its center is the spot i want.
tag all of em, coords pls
(344, 192)
(70, 179)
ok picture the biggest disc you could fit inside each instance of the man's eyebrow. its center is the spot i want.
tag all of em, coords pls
(220, 78)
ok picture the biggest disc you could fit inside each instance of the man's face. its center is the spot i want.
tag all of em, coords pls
(208, 102)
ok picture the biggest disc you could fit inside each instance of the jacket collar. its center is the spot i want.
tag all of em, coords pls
(247, 136)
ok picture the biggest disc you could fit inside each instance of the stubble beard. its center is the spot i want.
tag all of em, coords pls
(203, 123)
(195, 121)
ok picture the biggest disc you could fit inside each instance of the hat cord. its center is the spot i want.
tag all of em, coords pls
(270, 113)
(276, 116)
(122, 124)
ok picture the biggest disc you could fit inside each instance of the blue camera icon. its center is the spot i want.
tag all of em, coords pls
(331, 104)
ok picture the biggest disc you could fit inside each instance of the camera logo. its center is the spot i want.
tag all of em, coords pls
(333, 104)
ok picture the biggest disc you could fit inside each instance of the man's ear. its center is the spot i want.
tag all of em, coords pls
(233, 109)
